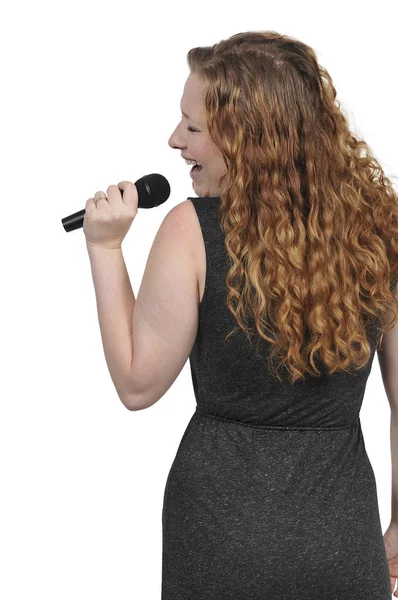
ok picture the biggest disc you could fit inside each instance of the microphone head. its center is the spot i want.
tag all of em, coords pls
(153, 190)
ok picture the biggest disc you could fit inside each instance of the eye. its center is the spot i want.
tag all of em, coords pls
(190, 128)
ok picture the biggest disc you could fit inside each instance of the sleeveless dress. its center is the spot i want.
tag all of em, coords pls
(271, 495)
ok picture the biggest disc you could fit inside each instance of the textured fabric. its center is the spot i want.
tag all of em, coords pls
(271, 495)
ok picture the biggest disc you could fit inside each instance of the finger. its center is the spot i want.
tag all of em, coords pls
(130, 193)
(114, 196)
(100, 195)
(393, 566)
(90, 205)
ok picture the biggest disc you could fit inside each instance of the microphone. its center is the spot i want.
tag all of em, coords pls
(153, 190)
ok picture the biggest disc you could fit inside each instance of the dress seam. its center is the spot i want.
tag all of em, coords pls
(278, 427)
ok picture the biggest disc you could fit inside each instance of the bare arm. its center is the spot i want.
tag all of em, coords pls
(388, 362)
(394, 464)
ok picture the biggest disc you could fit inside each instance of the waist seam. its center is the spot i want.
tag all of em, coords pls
(356, 423)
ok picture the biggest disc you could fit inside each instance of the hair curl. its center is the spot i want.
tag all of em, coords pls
(310, 219)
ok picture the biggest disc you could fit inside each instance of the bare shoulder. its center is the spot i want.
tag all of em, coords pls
(196, 242)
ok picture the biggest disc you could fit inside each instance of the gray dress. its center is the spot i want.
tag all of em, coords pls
(271, 495)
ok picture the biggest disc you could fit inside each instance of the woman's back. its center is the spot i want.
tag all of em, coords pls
(271, 493)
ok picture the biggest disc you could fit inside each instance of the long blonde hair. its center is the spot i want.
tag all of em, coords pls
(310, 219)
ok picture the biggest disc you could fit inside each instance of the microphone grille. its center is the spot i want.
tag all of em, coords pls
(153, 189)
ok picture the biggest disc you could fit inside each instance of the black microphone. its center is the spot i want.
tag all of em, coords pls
(152, 190)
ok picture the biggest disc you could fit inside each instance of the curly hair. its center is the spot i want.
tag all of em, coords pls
(310, 219)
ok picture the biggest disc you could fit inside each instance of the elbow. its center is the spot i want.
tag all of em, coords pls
(129, 405)
(134, 403)
(133, 407)
(128, 402)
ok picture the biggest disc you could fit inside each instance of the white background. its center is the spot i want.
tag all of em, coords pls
(90, 94)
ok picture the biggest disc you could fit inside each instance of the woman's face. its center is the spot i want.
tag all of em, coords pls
(191, 138)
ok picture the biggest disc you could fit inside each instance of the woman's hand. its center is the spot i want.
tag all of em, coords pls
(107, 220)
(391, 544)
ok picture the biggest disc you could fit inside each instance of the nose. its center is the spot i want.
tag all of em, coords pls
(176, 141)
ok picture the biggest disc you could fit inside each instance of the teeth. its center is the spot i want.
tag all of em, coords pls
(192, 162)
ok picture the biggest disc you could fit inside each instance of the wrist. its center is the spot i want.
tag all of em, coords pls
(100, 248)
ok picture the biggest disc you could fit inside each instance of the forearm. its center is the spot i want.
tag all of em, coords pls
(115, 306)
(394, 464)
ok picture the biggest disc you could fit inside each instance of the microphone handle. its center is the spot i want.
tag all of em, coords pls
(74, 221)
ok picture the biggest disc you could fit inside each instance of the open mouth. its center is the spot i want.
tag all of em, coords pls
(195, 171)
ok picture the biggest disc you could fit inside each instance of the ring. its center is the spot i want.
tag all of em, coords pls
(101, 197)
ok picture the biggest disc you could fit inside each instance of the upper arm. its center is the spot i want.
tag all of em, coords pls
(165, 316)
(388, 361)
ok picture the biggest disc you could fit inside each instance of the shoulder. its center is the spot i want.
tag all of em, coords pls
(184, 210)
(187, 211)
(182, 219)
(181, 230)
